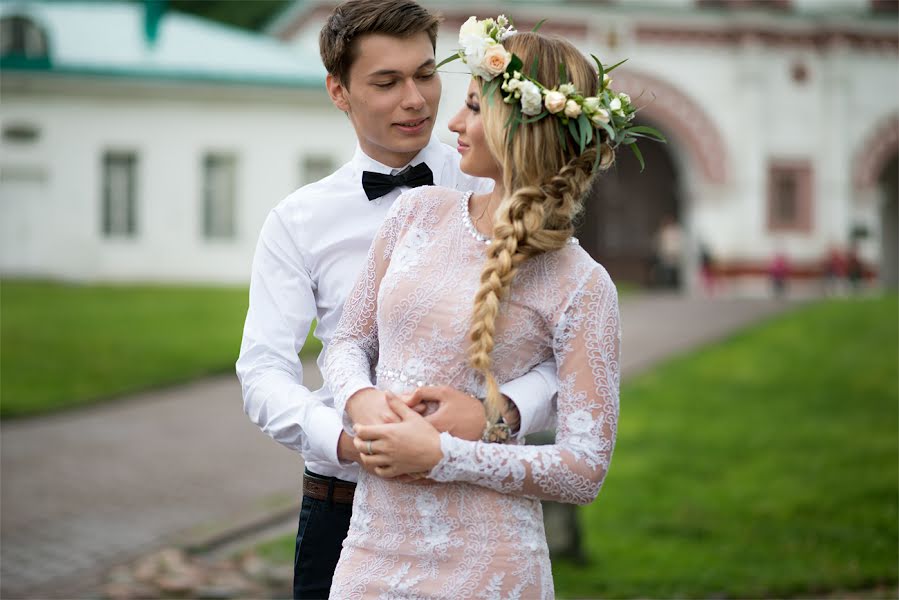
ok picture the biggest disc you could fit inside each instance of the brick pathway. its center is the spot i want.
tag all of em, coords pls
(85, 490)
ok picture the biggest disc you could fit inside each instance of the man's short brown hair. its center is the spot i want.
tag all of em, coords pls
(351, 20)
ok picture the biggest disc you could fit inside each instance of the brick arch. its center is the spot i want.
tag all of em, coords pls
(679, 115)
(879, 146)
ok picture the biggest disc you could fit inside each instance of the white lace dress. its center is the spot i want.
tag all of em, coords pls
(476, 530)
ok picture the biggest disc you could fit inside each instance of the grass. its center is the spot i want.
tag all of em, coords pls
(765, 465)
(762, 466)
(64, 346)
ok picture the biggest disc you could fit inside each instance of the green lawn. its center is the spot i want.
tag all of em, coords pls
(67, 345)
(763, 466)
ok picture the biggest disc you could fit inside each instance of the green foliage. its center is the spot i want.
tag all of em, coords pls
(247, 15)
(67, 345)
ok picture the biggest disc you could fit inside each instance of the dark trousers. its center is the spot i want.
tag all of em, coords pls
(323, 527)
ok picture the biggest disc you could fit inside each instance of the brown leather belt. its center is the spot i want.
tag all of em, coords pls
(328, 488)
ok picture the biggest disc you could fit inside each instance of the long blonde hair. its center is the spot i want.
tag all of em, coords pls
(545, 184)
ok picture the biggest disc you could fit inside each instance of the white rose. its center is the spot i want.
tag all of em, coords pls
(600, 116)
(472, 28)
(496, 59)
(567, 88)
(531, 100)
(555, 101)
(591, 104)
(511, 85)
(615, 104)
(572, 109)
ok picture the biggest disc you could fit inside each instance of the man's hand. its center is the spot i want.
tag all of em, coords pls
(346, 450)
(369, 407)
(395, 450)
(458, 414)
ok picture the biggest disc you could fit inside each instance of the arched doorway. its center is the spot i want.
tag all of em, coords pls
(875, 175)
(889, 223)
(626, 209)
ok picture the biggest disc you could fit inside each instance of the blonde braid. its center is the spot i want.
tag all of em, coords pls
(533, 220)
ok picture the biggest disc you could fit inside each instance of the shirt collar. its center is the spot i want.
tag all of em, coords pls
(429, 154)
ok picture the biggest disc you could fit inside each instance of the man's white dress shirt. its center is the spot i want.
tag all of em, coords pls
(312, 247)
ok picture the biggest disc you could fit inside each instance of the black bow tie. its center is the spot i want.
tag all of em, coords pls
(379, 184)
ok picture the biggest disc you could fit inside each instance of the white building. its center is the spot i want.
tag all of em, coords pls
(159, 160)
(129, 154)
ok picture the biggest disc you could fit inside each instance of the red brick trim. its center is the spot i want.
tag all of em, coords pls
(879, 146)
(815, 39)
(679, 116)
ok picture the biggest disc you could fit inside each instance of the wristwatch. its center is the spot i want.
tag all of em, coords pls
(497, 433)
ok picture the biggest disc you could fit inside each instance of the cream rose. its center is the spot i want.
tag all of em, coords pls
(591, 104)
(572, 109)
(600, 116)
(555, 101)
(531, 100)
(496, 59)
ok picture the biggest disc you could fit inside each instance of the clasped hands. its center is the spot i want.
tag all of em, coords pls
(396, 439)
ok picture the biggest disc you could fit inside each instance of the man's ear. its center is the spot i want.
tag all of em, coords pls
(337, 92)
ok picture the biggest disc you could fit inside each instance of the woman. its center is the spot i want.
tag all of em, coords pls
(473, 526)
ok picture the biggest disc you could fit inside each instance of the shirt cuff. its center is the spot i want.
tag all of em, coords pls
(346, 392)
(323, 428)
(528, 394)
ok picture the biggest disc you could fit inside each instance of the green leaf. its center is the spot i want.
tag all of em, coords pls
(449, 59)
(651, 132)
(535, 118)
(489, 89)
(586, 130)
(561, 131)
(583, 126)
(563, 74)
(572, 129)
(534, 66)
(609, 130)
(599, 69)
(538, 26)
(638, 154)
(514, 65)
(615, 66)
(596, 160)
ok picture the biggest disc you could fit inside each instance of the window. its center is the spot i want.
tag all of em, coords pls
(219, 183)
(21, 38)
(789, 196)
(119, 194)
(20, 133)
(316, 167)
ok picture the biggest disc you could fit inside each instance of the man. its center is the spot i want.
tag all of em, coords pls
(379, 55)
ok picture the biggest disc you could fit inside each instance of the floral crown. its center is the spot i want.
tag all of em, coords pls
(578, 115)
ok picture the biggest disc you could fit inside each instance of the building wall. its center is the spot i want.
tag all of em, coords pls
(58, 233)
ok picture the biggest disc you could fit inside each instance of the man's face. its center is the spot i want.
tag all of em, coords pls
(392, 96)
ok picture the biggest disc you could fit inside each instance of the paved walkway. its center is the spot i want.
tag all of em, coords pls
(85, 490)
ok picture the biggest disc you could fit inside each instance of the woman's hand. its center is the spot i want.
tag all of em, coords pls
(394, 449)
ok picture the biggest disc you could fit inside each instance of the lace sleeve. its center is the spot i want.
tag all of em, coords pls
(353, 350)
(586, 344)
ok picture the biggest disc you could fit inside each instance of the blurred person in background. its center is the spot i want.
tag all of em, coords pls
(379, 55)
(669, 251)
